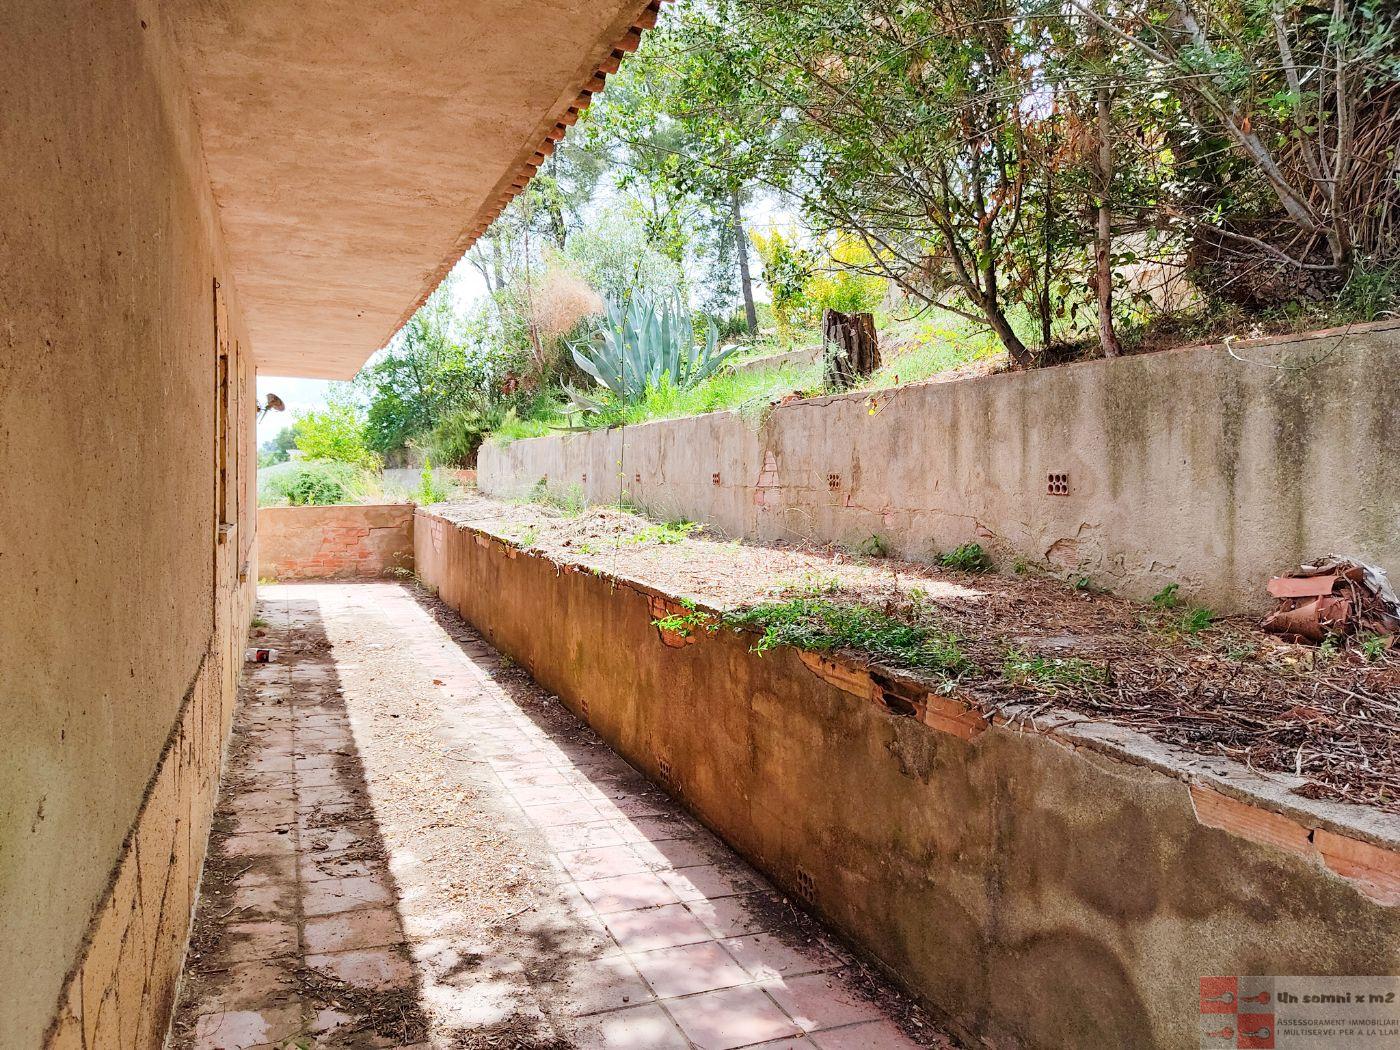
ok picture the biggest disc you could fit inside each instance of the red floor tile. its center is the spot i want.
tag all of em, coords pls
(664, 927)
(730, 1018)
(689, 968)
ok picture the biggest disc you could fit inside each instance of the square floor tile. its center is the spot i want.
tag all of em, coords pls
(602, 862)
(600, 984)
(689, 968)
(664, 927)
(365, 928)
(579, 812)
(379, 969)
(640, 1028)
(733, 1017)
(565, 838)
(627, 892)
(337, 895)
(710, 881)
(821, 1000)
(738, 916)
(766, 956)
(243, 1029)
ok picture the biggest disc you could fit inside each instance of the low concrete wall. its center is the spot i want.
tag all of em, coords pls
(1057, 890)
(1209, 468)
(316, 543)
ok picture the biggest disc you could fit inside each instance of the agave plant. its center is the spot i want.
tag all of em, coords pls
(643, 343)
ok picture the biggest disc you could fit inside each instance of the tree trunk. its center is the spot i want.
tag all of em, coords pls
(741, 243)
(850, 350)
(1103, 234)
(1021, 357)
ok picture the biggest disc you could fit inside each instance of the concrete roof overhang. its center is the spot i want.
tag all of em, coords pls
(357, 149)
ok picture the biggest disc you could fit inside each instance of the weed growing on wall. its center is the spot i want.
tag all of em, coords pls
(820, 625)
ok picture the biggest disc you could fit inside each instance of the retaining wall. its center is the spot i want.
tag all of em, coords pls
(343, 542)
(1206, 467)
(1057, 890)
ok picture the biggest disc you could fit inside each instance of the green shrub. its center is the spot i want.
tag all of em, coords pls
(428, 490)
(819, 625)
(336, 433)
(456, 440)
(313, 483)
(846, 286)
(970, 557)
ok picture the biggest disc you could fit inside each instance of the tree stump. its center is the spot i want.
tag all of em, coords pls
(850, 350)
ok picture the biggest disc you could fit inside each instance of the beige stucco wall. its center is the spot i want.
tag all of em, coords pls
(123, 615)
(1204, 467)
(346, 542)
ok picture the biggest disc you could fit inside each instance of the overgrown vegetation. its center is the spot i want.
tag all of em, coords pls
(315, 483)
(822, 625)
(998, 181)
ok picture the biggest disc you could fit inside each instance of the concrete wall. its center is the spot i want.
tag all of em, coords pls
(317, 543)
(125, 603)
(1057, 890)
(1200, 467)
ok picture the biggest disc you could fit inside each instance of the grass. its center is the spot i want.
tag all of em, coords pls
(663, 532)
(821, 625)
(726, 391)
(1019, 668)
(940, 342)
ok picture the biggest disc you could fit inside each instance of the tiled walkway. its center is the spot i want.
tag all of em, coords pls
(416, 846)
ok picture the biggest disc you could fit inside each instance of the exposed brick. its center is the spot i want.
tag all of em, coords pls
(1215, 810)
(1375, 870)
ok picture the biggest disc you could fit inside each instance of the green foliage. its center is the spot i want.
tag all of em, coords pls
(614, 254)
(850, 283)
(970, 557)
(821, 625)
(664, 532)
(457, 437)
(874, 546)
(687, 623)
(1373, 646)
(1020, 668)
(1167, 598)
(1196, 620)
(312, 483)
(428, 490)
(646, 343)
(787, 271)
(277, 449)
(335, 433)
(571, 503)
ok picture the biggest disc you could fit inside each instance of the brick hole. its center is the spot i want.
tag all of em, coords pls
(585, 479)
(714, 478)
(1057, 484)
(667, 777)
(638, 479)
(806, 887)
(583, 708)
(833, 481)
